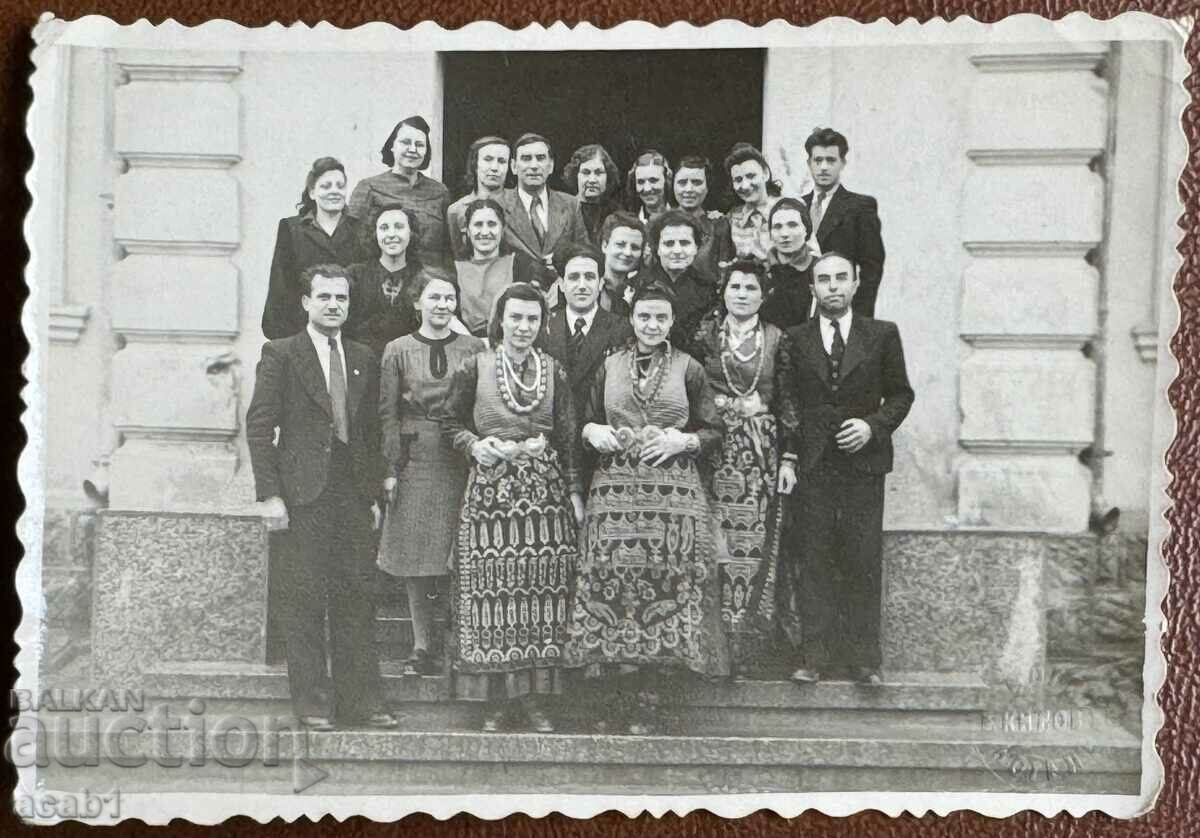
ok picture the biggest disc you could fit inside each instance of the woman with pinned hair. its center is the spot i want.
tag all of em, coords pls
(689, 187)
(793, 250)
(407, 152)
(509, 413)
(486, 176)
(321, 232)
(381, 298)
(425, 476)
(742, 356)
(756, 191)
(490, 268)
(648, 184)
(647, 600)
(592, 176)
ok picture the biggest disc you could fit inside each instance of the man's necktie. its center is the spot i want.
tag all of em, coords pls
(818, 210)
(837, 348)
(337, 393)
(535, 219)
(577, 337)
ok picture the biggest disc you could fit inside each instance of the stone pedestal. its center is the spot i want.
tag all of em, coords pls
(966, 603)
(177, 589)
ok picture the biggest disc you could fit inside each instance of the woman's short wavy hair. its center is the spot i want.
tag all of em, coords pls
(582, 155)
(517, 291)
(649, 157)
(414, 227)
(745, 153)
(471, 174)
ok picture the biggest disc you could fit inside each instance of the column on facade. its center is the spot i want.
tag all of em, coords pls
(175, 292)
(1034, 208)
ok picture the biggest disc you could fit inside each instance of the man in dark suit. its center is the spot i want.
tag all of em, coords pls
(319, 482)
(844, 377)
(581, 333)
(536, 217)
(845, 221)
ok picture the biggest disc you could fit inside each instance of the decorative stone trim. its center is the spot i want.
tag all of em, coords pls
(1145, 341)
(1024, 447)
(176, 434)
(67, 322)
(1026, 341)
(1068, 249)
(157, 247)
(174, 72)
(1034, 156)
(1042, 62)
(146, 160)
(134, 335)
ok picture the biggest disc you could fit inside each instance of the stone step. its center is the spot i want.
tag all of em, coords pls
(728, 707)
(843, 757)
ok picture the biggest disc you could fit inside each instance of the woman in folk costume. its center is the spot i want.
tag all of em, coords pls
(646, 594)
(741, 356)
(509, 412)
(426, 475)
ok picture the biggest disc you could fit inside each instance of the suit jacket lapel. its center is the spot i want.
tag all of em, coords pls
(309, 367)
(557, 209)
(857, 345)
(833, 212)
(318, 237)
(594, 342)
(815, 350)
(517, 223)
(356, 378)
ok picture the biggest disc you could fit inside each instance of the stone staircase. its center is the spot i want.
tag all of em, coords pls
(730, 736)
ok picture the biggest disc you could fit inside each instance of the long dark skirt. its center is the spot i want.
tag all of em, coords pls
(749, 523)
(647, 590)
(517, 546)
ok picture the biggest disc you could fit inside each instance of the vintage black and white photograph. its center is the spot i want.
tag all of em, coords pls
(578, 419)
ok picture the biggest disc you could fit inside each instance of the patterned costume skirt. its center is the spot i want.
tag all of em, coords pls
(749, 524)
(517, 545)
(419, 531)
(647, 590)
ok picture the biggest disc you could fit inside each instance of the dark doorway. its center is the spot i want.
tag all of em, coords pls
(678, 101)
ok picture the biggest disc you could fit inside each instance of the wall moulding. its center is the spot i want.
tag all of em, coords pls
(135, 72)
(1073, 342)
(1145, 341)
(1035, 156)
(135, 335)
(1068, 249)
(1092, 61)
(160, 247)
(177, 434)
(67, 322)
(1025, 447)
(167, 160)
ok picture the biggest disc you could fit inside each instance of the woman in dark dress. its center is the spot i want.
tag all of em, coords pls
(676, 236)
(406, 152)
(690, 188)
(426, 475)
(789, 300)
(592, 175)
(647, 593)
(509, 413)
(321, 232)
(381, 298)
(741, 355)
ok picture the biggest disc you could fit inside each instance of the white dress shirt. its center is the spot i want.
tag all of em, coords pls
(588, 319)
(827, 329)
(543, 211)
(321, 344)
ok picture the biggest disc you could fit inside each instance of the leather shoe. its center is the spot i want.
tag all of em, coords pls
(540, 722)
(868, 677)
(318, 724)
(493, 721)
(382, 720)
(806, 676)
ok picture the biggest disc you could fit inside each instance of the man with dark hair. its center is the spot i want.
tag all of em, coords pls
(581, 333)
(537, 217)
(844, 383)
(844, 221)
(320, 393)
